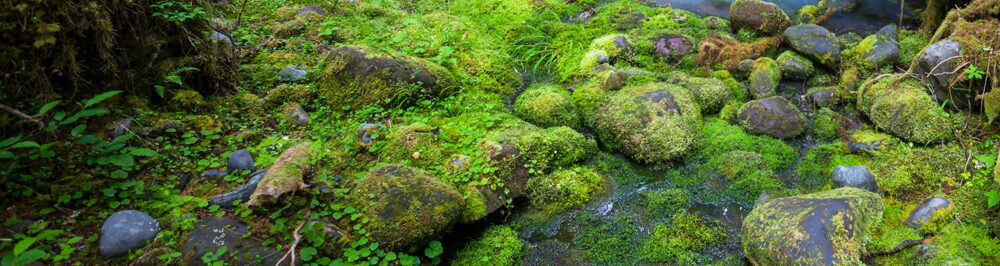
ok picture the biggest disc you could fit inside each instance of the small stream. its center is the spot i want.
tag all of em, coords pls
(868, 17)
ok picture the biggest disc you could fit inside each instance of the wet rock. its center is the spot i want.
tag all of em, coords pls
(242, 193)
(758, 16)
(808, 14)
(877, 50)
(744, 68)
(220, 37)
(652, 123)
(856, 176)
(827, 228)
(899, 105)
(212, 174)
(839, 5)
(715, 23)
(774, 116)
(240, 160)
(294, 113)
(212, 233)
(938, 63)
(795, 66)
(925, 211)
(765, 78)
(816, 42)
(672, 47)
(355, 77)
(292, 74)
(821, 97)
(126, 230)
(407, 207)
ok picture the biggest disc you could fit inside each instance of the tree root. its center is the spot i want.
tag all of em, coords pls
(901, 246)
(298, 238)
(15, 112)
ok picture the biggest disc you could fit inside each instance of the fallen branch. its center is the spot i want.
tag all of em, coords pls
(15, 112)
(902, 246)
(297, 237)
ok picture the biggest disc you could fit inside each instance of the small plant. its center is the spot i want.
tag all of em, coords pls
(177, 12)
(973, 72)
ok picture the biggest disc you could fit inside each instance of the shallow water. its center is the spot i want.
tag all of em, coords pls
(868, 17)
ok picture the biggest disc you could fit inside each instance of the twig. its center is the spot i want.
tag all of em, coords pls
(902, 246)
(15, 112)
(239, 17)
(297, 237)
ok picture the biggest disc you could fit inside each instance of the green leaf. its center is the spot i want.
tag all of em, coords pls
(77, 130)
(85, 113)
(143, 152)
(47, 107)
(9, 141)
(23, 245)
(28, 257)
(994, 198)
(174, 79)
(159, 90)
(25, 144)
(100, 97)
(119, 174)
(433, 249)
(123, 160)
(307, 253)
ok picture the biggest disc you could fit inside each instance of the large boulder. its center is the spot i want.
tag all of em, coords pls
(212, 234)
(816, 42)
(653, 123)
(710, 93)
(758, 16)
(774, 116)
(672, 47)
(126, 230)
(355, 77)
(240, 160)
(827, 228)
(566, 189)
(765, 78)
(407, 207)
(899, 105)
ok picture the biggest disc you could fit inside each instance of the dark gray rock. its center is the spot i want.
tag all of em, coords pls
(22, 226)
(774, 116)
(212, 174)
(743, 68)
(884, 51)
(925, 211)
(816, 42)
(126, 230)
(220, 37)
(761, 17)
(795, 66)
(294, 113)
(856, 176)
(672, 47)
(240, 160)
(839, 5)
(290, 73)
(939, 63)
(242, 193)
(765, 78)
(821, 97)
(365, 133)
(212, 233)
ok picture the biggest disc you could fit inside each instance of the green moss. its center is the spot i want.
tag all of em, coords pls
(289, 93)
(719, 137)
(826, 123)
(892, 232)
(498, 246)
(662, 204)
(765, 78)
(355, 77)
(909, 172)
(554, 147)
(772, 20)
(794, 65)
(900, 106)
(850, 83)
(653, 123)
(615, 45)
(684, 241)
(591, 60)
(566, 189)
(416, 143)
(735, 89)
(475, 203)
(608, 240)
(808, 14)
(735, 165)
(710, 93)
(816, 168)
(911, 43)
(547, 105)
(588, 98)
(963, 245)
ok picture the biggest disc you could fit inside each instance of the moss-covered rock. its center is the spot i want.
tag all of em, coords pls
(839, 5)
(832, 227)
(710, 93)
(547, 105)
(418, 143)
(808, 14)
(498, 246)
(406, 207)
(821, 96)
(293, 113)
(816, 42)
(682, 242)
(795, 66)
(718, 137)
(592, 60)
(653, 123)
(761, 17)
(285, 93)
(355, 77)
(875, 51)
(900, 106)
(774, 116)
(552, 147)
(615, 45)
(566, 189)
(765, 78)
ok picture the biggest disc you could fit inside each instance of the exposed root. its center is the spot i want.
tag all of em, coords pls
(901, 246)
(298, 238)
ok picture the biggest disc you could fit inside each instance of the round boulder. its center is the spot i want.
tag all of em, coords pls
(795, 66)
(758, 16)
(240, 160)
(900, 106)
(407, 207)
(937, 63)
(925, 211)
(774, 116)
(547, 105)
(816, 42)
(856, 176)
(126, 230)
(653, 123)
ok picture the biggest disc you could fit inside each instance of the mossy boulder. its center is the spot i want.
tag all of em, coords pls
(406, 207)
(566, 189)
(900, 106)
(672, 47)
(816, 42)
(937, 63)
(615, 45)
(765, 78)
(554, 147)
(652, 123)
(832, 227)
(761, 17)
(774, 116)
(418, 143)
(592, 60)
(286, 93)
(499, 246)
(875, 51)
(710, 93)
(547, 105)
(821, 96)
(355, 77)
(795, 66)
(808, 14)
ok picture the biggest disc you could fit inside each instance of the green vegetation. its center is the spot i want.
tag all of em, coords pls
(681, 242)
(498, 246)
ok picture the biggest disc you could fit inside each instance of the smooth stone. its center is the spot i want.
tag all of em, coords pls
(794, 66)
(774, 116)
(821, 97)
(242, 193)
(240, 160)
(839, 5)
(290, 73)
(213, 174)
(220, 37)
(885, 51)
(857, 176)
(925, 211)
(126, 230)
(937, 63)
(293, 112)
(816, 42)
